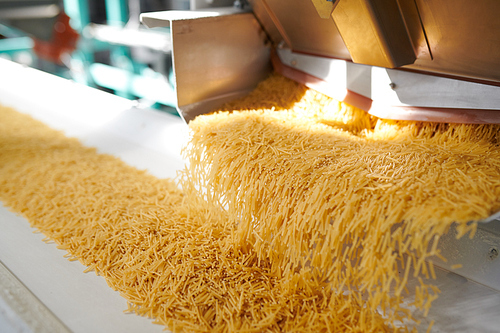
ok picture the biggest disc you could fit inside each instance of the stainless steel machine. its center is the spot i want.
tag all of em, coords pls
(396, 59)
(404, 59)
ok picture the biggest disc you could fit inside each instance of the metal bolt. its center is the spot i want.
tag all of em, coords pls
(293, 62)
(493, 253)
(392, 85)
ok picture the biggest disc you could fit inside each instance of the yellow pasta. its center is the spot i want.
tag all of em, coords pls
(297, 213)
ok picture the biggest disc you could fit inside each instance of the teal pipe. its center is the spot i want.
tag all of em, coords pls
(16, 44)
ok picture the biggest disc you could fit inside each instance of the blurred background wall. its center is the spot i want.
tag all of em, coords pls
(99, 43)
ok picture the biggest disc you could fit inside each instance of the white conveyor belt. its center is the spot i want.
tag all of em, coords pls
(40, 291)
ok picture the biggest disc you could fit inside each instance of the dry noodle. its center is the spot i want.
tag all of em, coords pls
(308, 211)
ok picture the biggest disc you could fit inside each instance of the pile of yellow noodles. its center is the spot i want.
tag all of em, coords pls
(297, 213)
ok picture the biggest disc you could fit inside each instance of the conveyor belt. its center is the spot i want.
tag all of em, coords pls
(148, 140)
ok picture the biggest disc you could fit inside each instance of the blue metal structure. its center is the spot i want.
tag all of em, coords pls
(121, 72)
(124, 74)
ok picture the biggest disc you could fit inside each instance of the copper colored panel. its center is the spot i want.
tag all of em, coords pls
(464, 37)
(374, 32)
(414, 27)
(459, 38)
(302, 28)
(324, 8)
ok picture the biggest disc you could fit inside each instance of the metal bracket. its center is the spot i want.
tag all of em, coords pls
(394, 93)
(217, 53)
